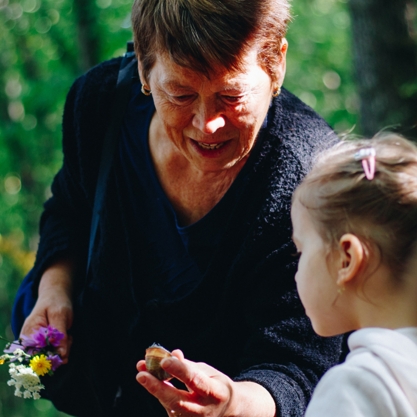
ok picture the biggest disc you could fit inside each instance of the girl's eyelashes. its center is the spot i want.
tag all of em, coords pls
(296, 255)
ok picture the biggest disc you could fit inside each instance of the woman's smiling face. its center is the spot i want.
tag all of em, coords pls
(213, 122)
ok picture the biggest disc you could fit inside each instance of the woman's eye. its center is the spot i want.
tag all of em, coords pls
(296, 255)
(183, 99)
(232, 99)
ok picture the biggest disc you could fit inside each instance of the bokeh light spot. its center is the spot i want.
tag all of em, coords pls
(30, 6)
(103, 4)
(54, 16)
(12, 184)
(29, 122)
(3, 3)
(43, 24)
(13, 88)
(16, 111)
(331, 80)
(308, 98)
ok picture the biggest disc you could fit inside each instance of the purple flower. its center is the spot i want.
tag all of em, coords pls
(13, 346)
(43, 337)
(56, 361)
(54, 336)
(32, 341)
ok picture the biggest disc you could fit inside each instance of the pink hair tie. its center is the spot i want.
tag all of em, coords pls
(367, 156)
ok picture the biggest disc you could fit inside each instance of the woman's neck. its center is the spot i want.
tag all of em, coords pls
(192, 192)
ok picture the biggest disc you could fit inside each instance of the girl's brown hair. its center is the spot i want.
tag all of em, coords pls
(205, 34)
(382, 212)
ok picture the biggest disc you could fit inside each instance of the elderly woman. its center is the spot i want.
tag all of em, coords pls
(194, 249)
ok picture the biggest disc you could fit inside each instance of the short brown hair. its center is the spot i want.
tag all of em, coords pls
(205, 34)
(381, 212)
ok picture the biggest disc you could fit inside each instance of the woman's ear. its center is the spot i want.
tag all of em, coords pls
(282, 66)
(142, 80)
(351, 260)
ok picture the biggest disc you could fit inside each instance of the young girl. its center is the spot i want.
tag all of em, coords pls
(355, 225)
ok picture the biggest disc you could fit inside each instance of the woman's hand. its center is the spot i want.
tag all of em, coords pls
(210, 393)
(54, 304)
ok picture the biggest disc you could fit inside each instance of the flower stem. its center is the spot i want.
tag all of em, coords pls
(3, 338)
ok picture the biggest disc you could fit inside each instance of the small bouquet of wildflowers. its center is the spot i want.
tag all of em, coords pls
(31, 357)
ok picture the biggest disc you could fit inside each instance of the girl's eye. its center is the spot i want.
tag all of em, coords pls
(296, 255)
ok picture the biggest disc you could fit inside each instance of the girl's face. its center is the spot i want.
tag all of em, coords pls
(316, 276)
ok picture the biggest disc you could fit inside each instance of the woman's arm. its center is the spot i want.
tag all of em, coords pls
(54, 304)
(65, 222)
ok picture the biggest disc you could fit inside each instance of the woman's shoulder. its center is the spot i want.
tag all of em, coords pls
(87, 111)
(90, 98)
(100, 79)
(295, 135)
(296, 132)
(299, 122)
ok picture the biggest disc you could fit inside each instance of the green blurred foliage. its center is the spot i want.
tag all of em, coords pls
(40, 58)
(319, 61)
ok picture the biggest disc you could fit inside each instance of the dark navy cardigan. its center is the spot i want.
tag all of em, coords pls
(244, 319)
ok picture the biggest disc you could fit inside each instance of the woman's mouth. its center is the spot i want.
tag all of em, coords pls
(211, 150)
(210, 146)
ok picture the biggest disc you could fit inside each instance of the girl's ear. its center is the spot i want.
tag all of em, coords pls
(351, 259)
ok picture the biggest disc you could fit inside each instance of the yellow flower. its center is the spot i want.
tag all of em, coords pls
(40, 365)
(2, 361)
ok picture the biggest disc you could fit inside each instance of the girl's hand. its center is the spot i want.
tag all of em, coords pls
(210, 392)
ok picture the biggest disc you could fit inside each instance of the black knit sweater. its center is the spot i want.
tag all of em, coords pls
(244, 319)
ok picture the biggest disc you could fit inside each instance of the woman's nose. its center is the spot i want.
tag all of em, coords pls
(208, 119)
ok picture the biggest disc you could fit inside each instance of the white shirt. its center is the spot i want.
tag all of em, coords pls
(378, 379)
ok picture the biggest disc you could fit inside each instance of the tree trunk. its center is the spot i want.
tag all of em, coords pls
(385, 56)
(88, 36)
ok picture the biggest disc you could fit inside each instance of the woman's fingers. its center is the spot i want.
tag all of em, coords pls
(61, 318)
(200, 378)
(57, 313)
(141, 366)
(209, 391)
(169, 396)
(178, 354)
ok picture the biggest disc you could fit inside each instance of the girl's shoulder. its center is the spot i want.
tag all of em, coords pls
(378, 378)
(349, 390)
